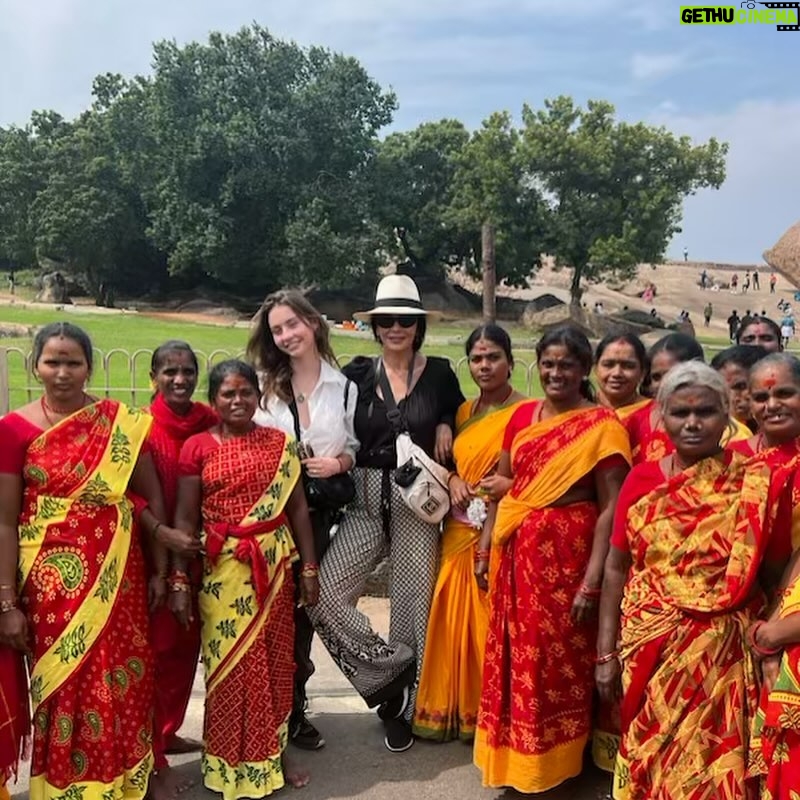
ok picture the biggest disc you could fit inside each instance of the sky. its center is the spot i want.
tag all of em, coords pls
(468, 58)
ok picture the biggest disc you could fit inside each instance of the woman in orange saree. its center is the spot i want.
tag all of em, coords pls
(567, 458)
(239, 482)
(65, 522)
(690, 535)
(450, 682)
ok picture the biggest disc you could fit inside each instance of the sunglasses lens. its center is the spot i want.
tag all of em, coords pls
(388, 320)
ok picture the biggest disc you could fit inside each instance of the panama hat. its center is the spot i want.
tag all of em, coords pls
(396, 294)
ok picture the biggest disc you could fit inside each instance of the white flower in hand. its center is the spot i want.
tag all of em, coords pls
(476, 512)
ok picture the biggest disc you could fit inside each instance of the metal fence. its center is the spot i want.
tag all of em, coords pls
(124, 375)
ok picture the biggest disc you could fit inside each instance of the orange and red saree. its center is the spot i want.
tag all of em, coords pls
(538, 681)
(83, 589)
(450, 683)
(689, 685)
(246, 610)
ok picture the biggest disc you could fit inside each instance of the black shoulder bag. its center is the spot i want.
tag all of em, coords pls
(325, 494)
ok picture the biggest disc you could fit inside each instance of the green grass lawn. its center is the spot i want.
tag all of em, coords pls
(124, 343)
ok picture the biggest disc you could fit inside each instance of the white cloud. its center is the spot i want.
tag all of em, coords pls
(759, 199)
(653, 66)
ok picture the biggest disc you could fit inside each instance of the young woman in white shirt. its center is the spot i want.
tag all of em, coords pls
(290, 347)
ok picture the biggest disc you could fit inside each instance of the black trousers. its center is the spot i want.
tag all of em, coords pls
(321, 523)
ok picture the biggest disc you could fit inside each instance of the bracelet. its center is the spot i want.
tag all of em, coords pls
(607, 657)
(309, 570)
(762, 651)
(483, 555)
(7, 586)
(7, 605)
(588, 592)
(450, 475)
(180, 587)
(341, 464)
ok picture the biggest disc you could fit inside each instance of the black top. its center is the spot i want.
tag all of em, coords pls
(434, 399)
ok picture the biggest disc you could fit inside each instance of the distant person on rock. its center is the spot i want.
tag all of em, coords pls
(746, 284)
(734, 283)
(707, 312)
(773, 279)
(685, 253)
(756, 279)
(787, 329)
(703, 279)
(733, 325)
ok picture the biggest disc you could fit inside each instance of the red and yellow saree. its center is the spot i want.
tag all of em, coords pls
(689, 685)
(538, 681)
(83, 588)
(246, 606)
(450, 684)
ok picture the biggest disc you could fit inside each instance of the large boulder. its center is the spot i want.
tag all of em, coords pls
(785, 255)
(54, 290)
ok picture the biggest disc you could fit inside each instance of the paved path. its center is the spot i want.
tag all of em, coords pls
(355, 764)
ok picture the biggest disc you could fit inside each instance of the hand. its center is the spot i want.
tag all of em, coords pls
(608, 679)
(444, 443)
(481, 572)
(181, 542)
(180, 604)
(14, 630)
(770, 668)
(495, 486)
(322, 466)
(309, 591)
(583, 608)
(156, 591)
(461, 493)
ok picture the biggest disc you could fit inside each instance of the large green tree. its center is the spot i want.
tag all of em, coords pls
(615, 189)
(257, 159)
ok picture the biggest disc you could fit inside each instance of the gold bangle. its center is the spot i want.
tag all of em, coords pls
(7, 605)
(180, 587)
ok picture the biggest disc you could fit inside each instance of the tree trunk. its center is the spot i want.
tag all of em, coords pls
(575, 291)
(489, 271)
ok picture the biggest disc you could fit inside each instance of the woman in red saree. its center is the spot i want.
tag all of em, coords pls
(239, 482)
(80, 606)
(690, 534)
(567, 458)
(176, 649)
(450, 683)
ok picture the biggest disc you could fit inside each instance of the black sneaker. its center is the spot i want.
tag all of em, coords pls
(305, 736)
(398, 737)
(396, 706)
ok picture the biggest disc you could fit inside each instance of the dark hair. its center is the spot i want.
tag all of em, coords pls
(494, 334)
(759, 320)
(623, 336)
(65, 330)
(419, 335)
(740, 355)
(231, 366)
(265, 355)
(578, 346)
(781, 360)
(680, 345)
(171, 346)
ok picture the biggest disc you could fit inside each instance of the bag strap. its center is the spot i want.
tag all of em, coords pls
(296, 416)
(393, 413)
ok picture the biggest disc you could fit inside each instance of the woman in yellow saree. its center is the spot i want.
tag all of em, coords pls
(80, 606)
(567, 457)
(239, 482)
(691, 532)
(620, 364)
(450, 683)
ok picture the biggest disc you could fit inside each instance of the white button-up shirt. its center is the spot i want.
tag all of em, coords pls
(331, 432)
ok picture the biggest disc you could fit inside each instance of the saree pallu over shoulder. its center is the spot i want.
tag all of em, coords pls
(246, 605)
(689, 685)
(83, 588)
(549, 457)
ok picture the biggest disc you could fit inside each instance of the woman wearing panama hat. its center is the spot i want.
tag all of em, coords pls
(378, 523)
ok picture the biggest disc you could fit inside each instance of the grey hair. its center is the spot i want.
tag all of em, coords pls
(693, 374)
(783, 359)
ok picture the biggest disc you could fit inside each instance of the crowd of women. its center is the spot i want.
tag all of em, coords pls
(615, 577)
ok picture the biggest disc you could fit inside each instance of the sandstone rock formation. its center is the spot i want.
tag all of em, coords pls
(785, 255)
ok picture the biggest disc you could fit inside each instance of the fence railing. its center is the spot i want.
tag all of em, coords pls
(125, 375)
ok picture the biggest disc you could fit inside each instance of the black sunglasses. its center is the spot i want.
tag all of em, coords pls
(388, 320)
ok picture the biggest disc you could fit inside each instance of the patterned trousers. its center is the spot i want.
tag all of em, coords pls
(376, 668)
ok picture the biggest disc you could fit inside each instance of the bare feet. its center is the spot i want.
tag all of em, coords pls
(167, 784)
(293, 774)
(177, 745)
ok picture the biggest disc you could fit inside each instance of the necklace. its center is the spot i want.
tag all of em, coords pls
(62, 412)
(498, 404)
